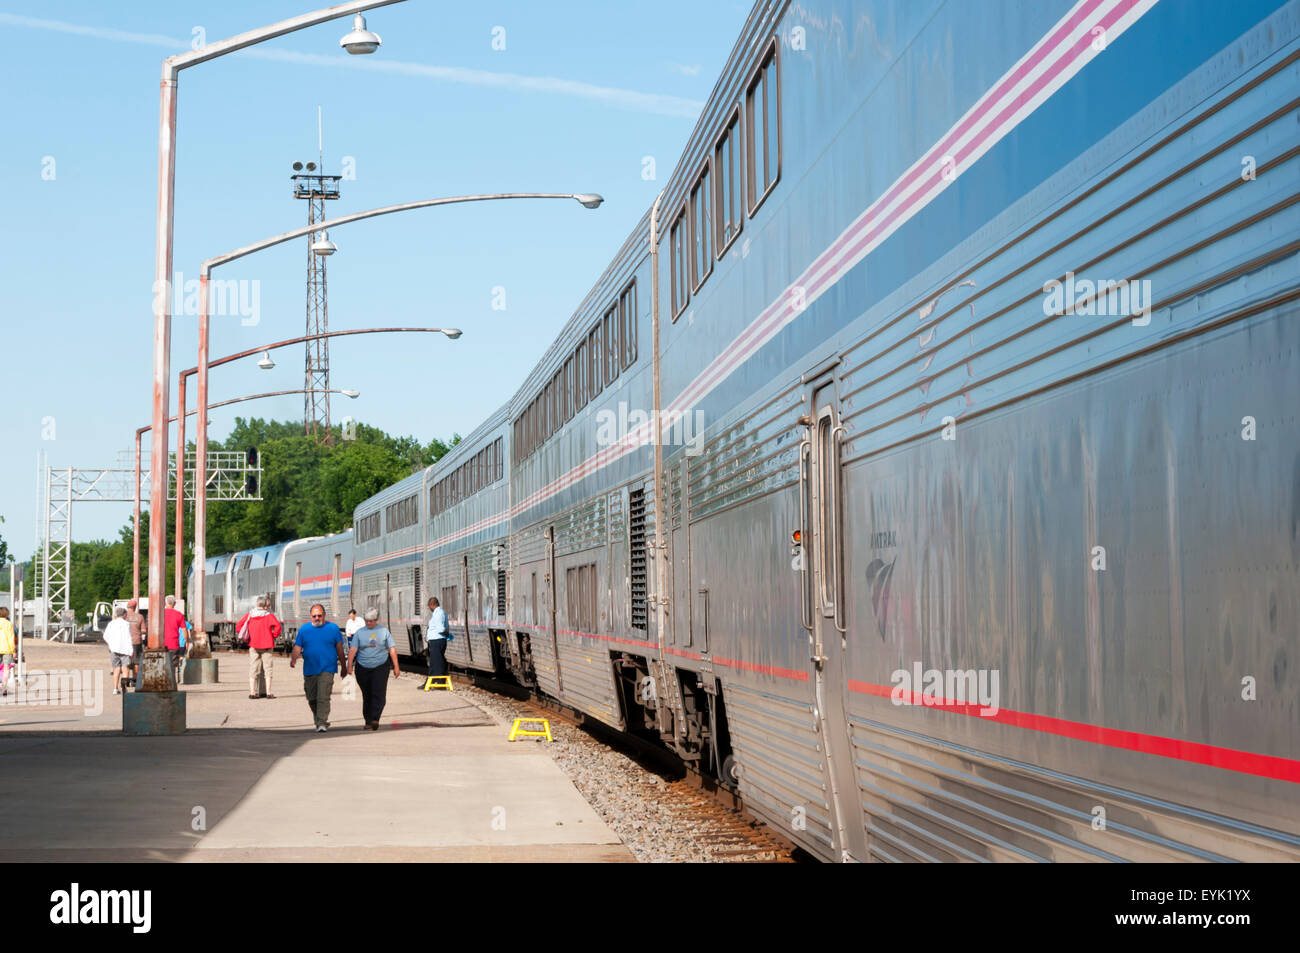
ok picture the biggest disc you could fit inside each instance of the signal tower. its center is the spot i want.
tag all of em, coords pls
(314, 187)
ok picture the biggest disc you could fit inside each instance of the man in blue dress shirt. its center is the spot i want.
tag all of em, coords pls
(438, 633)
(320, 646)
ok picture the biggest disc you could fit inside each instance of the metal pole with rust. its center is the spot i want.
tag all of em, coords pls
(157, 677)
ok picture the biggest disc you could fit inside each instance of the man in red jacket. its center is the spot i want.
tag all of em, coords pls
(260, 627)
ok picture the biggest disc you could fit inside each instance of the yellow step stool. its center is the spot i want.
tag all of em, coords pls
(518, 732)
(444, 681)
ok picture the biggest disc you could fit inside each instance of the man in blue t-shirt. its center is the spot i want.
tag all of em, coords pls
(320, 646)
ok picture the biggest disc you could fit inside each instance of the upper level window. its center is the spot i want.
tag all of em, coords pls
(728, 212)
(627, 323)
(367, 528)
(701, 230)
(581, 368)
(677, 258)
(613, 345)
(763, 130)
(595, 360)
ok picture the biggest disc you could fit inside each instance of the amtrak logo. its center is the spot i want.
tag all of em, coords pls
(880, 577)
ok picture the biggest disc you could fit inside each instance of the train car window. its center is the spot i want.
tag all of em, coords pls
(568, 399)
(501, 459)
(597, 372)
(701, 230)
(677, 259)
(627, 323)
(581, 365)
(728, 212)
(763, 130)
(612, 345)
(558, 394)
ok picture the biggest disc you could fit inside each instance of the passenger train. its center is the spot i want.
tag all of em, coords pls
(925, 465)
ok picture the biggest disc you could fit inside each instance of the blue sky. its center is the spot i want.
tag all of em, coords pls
(581, 94)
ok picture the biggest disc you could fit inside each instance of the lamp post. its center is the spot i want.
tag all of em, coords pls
(359, 41)
(321, 246)
(201, 448)
(140, 432)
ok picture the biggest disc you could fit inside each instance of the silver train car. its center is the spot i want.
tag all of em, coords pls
(924, 465)
(292, 575)
(387, 571)
(967, 318)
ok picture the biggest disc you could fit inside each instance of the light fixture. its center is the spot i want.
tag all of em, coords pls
(323, 246)
(354, 394)
(266, 363)
(297, 167)
(452, 333)
(360, 40)
(590, 199)
(311, 166)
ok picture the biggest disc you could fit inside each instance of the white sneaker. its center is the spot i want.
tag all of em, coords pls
(116, 692)
(320, 728)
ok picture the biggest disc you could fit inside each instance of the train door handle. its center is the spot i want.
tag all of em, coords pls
(805, 614)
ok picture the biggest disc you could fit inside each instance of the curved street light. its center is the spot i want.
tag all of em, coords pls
(160, 679)
(360, 40)
(201, 449)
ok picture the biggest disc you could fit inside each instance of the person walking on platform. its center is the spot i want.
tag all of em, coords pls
(320, 646)
(372, 656)
(118, 636)
(173, 624)
(261, 628)
(353, 624)
(350, 629)
(8, 649)
(438, 634)
(135, 619)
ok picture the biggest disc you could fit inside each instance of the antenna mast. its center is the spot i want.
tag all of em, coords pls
(312, 185)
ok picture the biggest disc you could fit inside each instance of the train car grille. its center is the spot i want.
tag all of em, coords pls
(501, 593)
(636, 556)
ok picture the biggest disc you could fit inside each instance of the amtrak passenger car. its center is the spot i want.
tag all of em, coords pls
(965, 315)
(291, 575)
(923, 466)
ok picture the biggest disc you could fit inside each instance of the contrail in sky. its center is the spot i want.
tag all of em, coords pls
(612, 96)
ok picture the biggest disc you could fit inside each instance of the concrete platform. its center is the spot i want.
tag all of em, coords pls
(251, 781)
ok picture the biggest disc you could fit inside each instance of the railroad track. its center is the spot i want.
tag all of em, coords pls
(662, 808)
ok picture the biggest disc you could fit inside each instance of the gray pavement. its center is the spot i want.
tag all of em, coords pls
(251, 781)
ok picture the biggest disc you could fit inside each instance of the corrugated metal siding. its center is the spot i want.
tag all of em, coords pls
(775, 740)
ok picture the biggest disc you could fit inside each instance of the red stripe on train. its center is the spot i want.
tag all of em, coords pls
(1230, 759)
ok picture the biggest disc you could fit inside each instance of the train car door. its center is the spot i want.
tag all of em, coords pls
(464, 585)
(552, 606)
(826, 606)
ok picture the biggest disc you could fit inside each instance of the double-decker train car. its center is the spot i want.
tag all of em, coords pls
(924, 464)
(293, 576)
(466, 552)
(388, 562)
